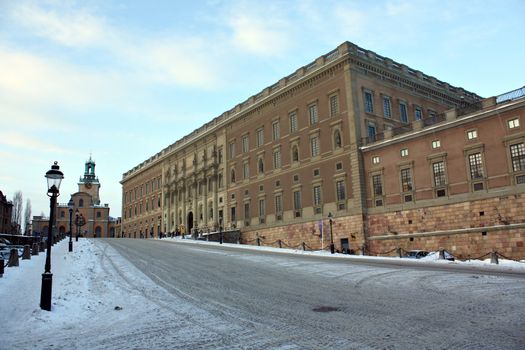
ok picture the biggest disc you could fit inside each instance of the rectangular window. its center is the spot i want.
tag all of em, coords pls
(245, 144)
(293, 122)
(371, 132)
(517, 156)
(418, 113)
(277, 159)
(334, 105)
(233, 216)
(262, 208)
(378, 185)
(247, 213)
(403, 115)
(312, 112)
(340, 190)
(406, 180)
(260, 137)
(472, 134)
(369, 102)
(317, 196)
(231, 149)
(513, 123)
(438, 169)
(376, 160)
(297, 200)
(476, 166)
(314, 143)
(436, 144)
(276, 131)
(278, 204)
(404, 152)
(246, 170)
(387, 107)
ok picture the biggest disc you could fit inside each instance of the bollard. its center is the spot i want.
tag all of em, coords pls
(2, 268)
(280, 244)
(441, 254)
(494, 257)
(34, 249)
(304, 246)
(258, 241)
(26, 255)
(399, 252)
(41, 247)
(13, 258)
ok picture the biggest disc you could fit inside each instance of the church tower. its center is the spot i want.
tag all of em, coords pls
(89, 183)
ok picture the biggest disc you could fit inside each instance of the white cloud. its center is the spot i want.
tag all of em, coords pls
(351, 22)
(28, 142)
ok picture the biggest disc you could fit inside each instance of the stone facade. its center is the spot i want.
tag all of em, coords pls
(278, 163)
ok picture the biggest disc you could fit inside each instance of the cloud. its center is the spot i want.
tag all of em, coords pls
(27, 142)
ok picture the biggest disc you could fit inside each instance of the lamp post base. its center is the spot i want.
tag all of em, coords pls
(70, 246)
(45, 293)
(332, 248)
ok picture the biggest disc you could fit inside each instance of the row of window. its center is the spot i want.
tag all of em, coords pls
(476, 174)
(139, 208)
(315, 151)
(369, 103)
(143, 190)
(313, 117)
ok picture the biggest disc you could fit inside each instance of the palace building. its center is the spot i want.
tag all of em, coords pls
(86, 204)
(397, 157)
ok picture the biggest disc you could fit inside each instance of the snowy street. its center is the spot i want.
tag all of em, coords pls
(180, 295)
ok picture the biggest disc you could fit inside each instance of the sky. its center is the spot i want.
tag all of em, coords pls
(95, 289)
(122, 80)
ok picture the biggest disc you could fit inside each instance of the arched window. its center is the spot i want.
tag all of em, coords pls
(81, 203)
(232, 179)
(337, 139)
(261, 166)
(295, 154)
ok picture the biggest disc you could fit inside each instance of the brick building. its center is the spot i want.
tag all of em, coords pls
(278, 163)
(86, 202)
(6, 212)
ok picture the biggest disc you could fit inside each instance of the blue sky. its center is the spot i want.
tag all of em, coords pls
(124, 79)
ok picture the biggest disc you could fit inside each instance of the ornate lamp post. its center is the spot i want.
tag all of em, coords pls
(70, 206)
(332, 248)
(79, 222)
(220, 230)
(54, 178)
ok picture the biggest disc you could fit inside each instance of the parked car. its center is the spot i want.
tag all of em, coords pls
(416, 254)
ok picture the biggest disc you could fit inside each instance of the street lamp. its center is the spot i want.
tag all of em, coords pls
(70, 206)
(79, 222)
(332, 248)
(220, 230)
(54, 177)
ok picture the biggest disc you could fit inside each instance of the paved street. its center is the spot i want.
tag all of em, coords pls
(257, 300)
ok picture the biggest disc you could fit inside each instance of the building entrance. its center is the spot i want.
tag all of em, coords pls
(190, 222)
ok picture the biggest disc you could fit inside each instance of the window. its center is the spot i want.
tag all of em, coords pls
(232, 149)
(62, 213)
(81, 202)
(404, 152)
(261, 166)
(472, 134)
(418, 113)
(476, 166)
(403, 115)
(220, 180)
(340, 190)
(259, 137)
(312, 112)
(232, 177)
(337, 139)
(247, 214)
(438, 169)
(262, 210)
(276, 134)
(317, 172)
(233, 215)
(371, 132)
(297, 200)
(375, 160)
(277, 159)
(317, 196)
(245, 143)
(378, 185)
(334, 105)
(338, 166)
(295, 154)
(246, 170)
(432, 115)
(369, 102)
(513, 123)
(436, 144)
(314, 143)
(293, 122)
(406, 180)
(220, 155)
(98, 214)
(279, 206)
(517, 156)
(387, 107)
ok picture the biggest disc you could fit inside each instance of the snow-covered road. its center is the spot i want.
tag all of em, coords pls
(198, 297)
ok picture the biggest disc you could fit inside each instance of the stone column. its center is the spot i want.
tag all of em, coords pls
(215, 201)
(195, 190)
